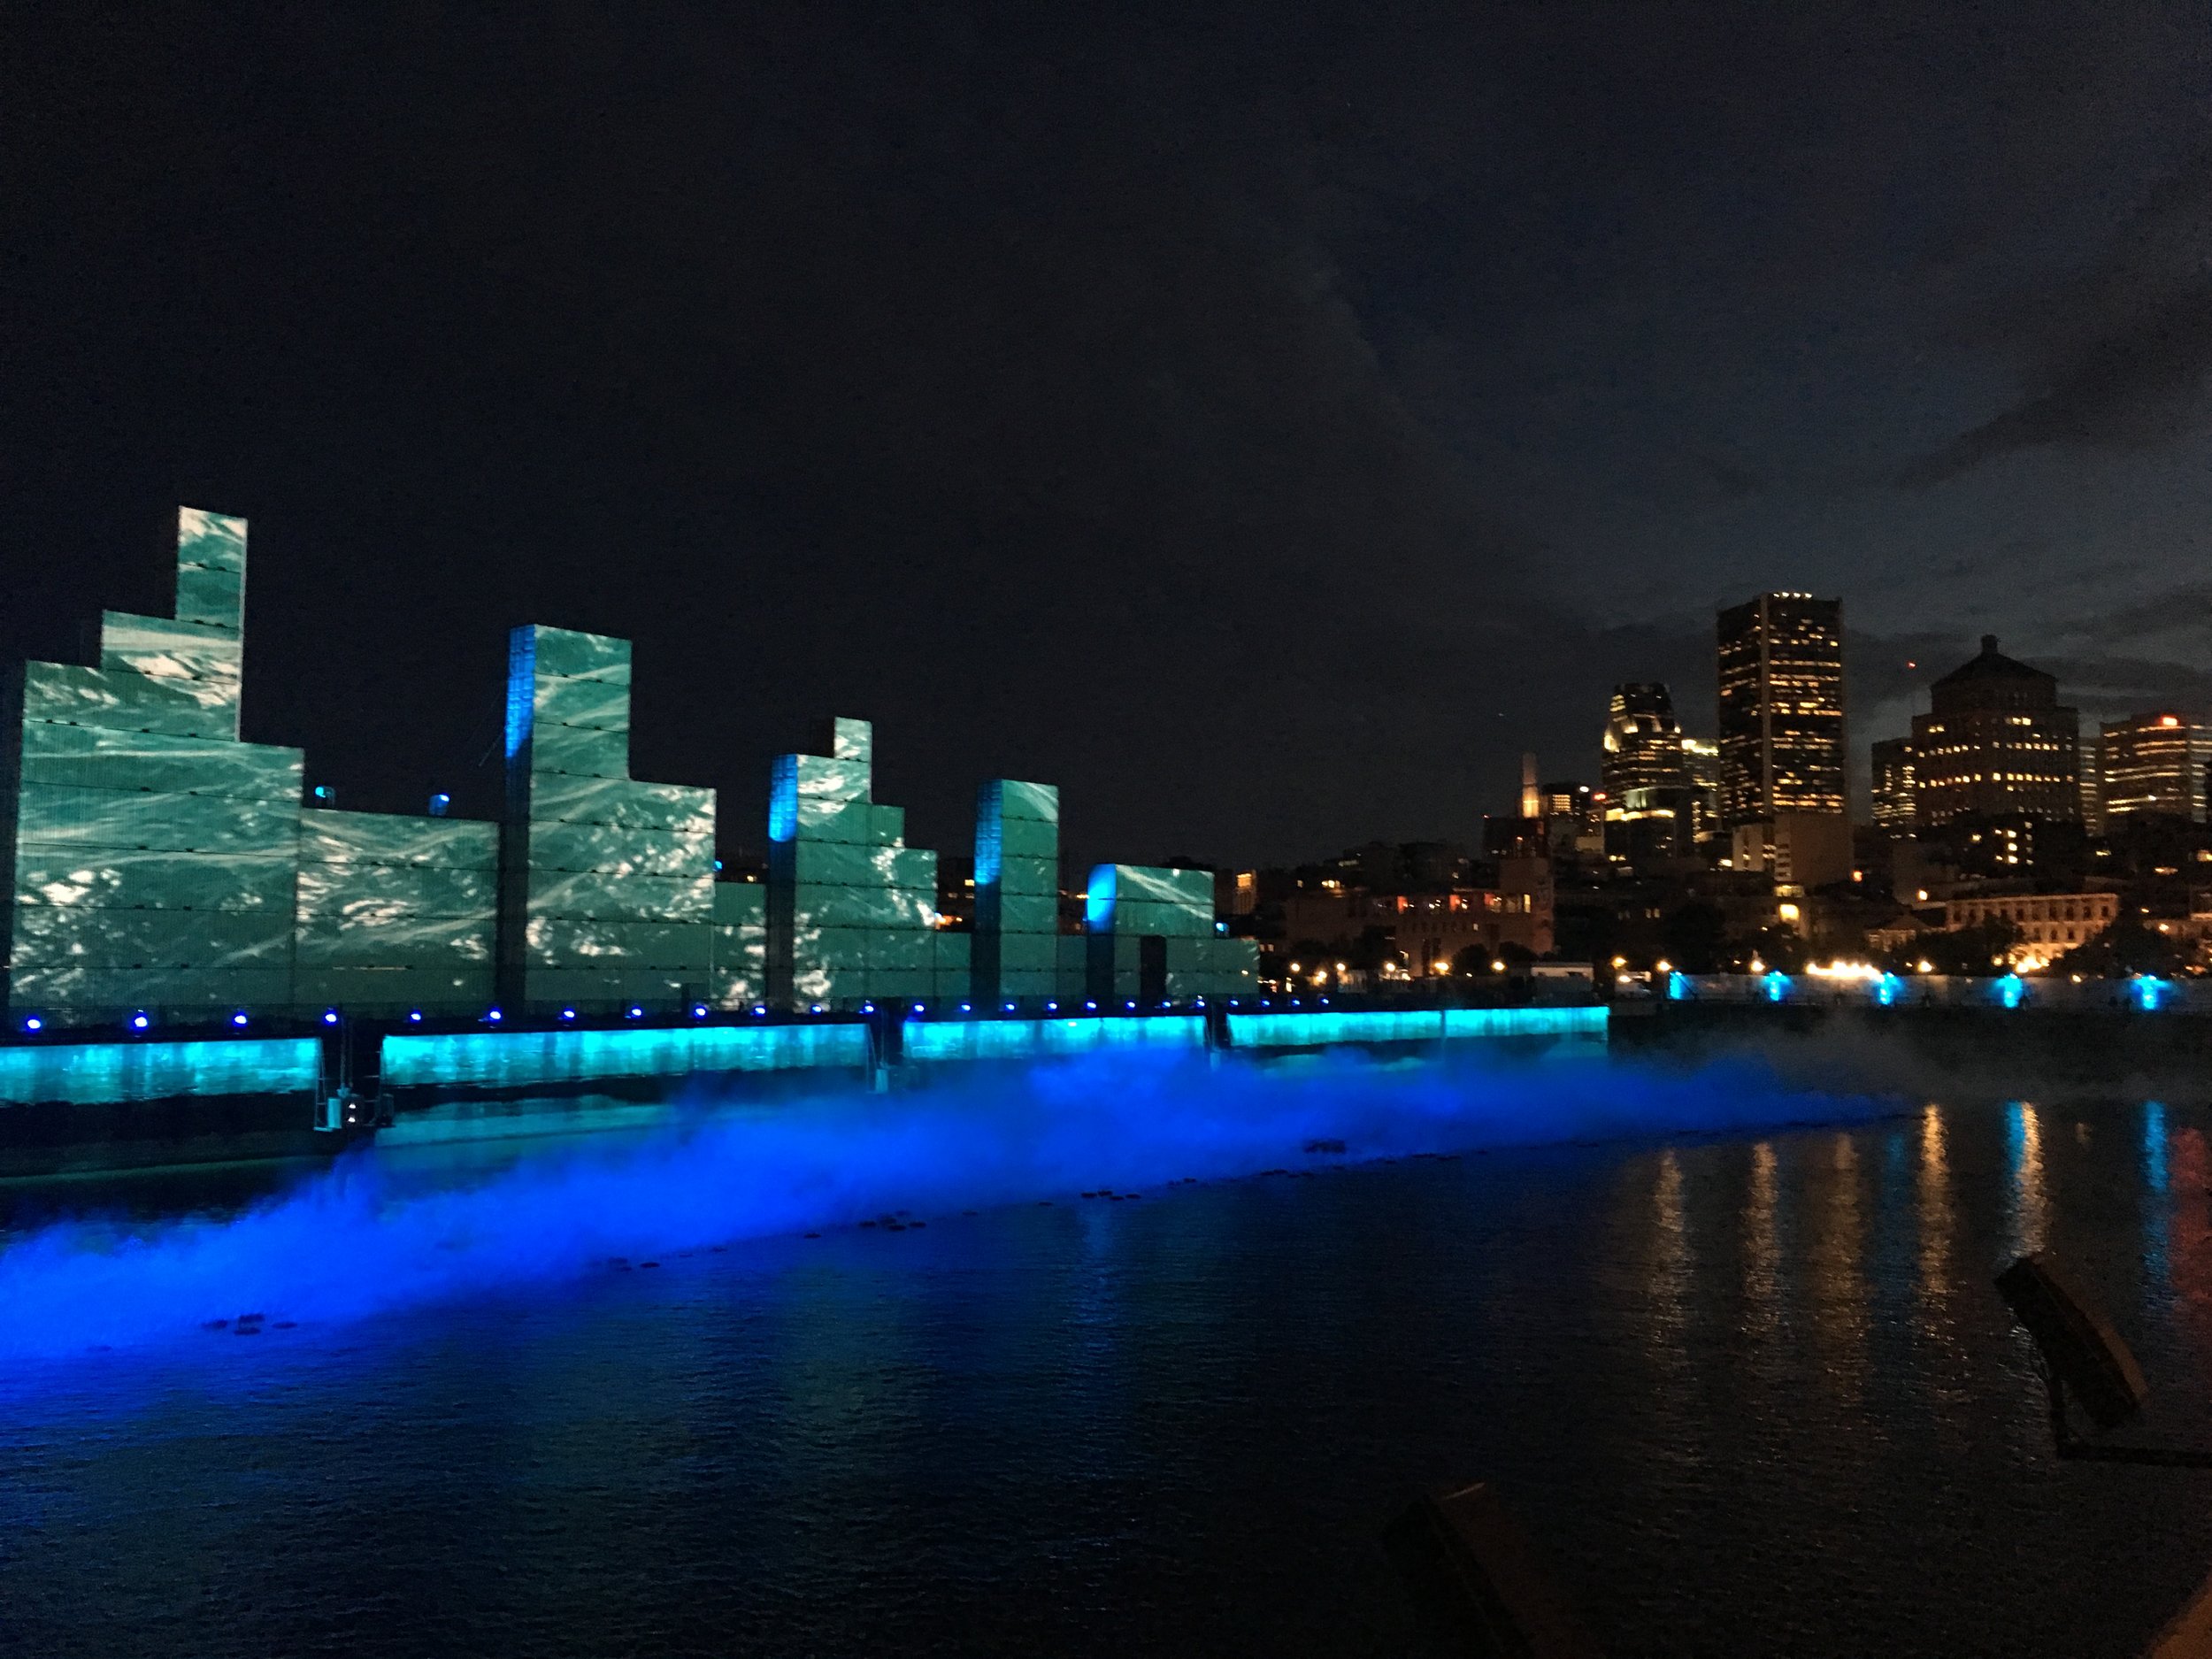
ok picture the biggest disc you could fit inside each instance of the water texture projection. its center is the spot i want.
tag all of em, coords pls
(609, 888)
(154, 853)
(1152, 937)
(162, 864)
(342, 1246)
(852, 908)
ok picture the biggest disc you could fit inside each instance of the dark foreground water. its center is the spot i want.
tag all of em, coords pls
(1749, 1393)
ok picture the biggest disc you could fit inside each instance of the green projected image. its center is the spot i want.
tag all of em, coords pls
(153, 855)
(851, 909)
(395, 913)
(161, 863)
(607, 883)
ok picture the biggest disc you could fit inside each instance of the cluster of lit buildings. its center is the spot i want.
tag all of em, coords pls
(1993, 810)
(1996, 744)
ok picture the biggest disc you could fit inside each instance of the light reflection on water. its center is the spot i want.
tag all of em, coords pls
(2024, 1144)
(1749, 1394)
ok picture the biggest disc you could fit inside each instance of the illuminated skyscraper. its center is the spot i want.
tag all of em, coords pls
(2154, 763)
(1700, 758)
(1995, 744)
(1781, 708)
(1896, 806)
(1648, 797)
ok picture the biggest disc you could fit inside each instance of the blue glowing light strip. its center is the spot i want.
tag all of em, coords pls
(1015, 1039)
(499, 1059)
(93, 1073)
(1327, 1025)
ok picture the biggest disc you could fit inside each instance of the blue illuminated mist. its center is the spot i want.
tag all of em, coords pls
(344, 1245)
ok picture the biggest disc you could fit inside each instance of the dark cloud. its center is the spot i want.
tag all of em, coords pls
(2186, 610)
(2107, 687)
(2115, 356)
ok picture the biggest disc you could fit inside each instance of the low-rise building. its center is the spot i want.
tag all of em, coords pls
(2049, 923)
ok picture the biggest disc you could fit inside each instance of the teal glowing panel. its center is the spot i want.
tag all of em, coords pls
(94, 1073)
(516, 1059)
(1138, 898)
(100, 757)
(931, 1040)
(608, 883)
(204, 664)
(395, 912)
(1316, 1027)
(153, 853)
(851, 910)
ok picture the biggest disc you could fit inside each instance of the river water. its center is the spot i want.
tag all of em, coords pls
(1748, 1391)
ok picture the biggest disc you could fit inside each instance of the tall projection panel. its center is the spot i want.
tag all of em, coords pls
(1017, 892)
(153, 855)
(607, 883)
(852, 909)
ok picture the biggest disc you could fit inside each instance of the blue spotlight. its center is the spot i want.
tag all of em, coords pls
(1052, 1007)
(867, 1008)
(35, 1024)
(636, 1012)
(1130, 1006)
(1007, 1008)
(568, 1013)
(816, 1009)
(330, 1017)
(2010, 989)
(238, 1018)
(698, 1010)
(759, 1008)
(414, 1016)
(920, 1009)
(139, 1022)
(1093, 1006)
(494, 1015)
(966, 1008)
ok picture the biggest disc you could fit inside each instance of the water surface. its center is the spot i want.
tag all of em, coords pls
(1750, 1392)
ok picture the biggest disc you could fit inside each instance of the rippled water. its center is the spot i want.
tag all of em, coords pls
(1748, 1393)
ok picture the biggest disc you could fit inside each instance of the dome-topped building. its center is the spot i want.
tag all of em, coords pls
(1996, 743)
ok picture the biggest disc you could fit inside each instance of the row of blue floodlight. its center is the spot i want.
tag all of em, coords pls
(141, 1020)
(2011, 991)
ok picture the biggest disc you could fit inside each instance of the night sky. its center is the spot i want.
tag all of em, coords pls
(1264, 421)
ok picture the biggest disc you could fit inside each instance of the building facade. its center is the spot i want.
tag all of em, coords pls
(1896, 804)
(1431, 928)
(1650, 801)
(1781, 708)
(1995, 743)
(2049, 923)
(2153, 762)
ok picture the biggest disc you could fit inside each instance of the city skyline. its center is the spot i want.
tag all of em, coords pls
(1223, 414)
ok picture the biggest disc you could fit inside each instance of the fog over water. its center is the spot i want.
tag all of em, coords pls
(1722, 1333)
